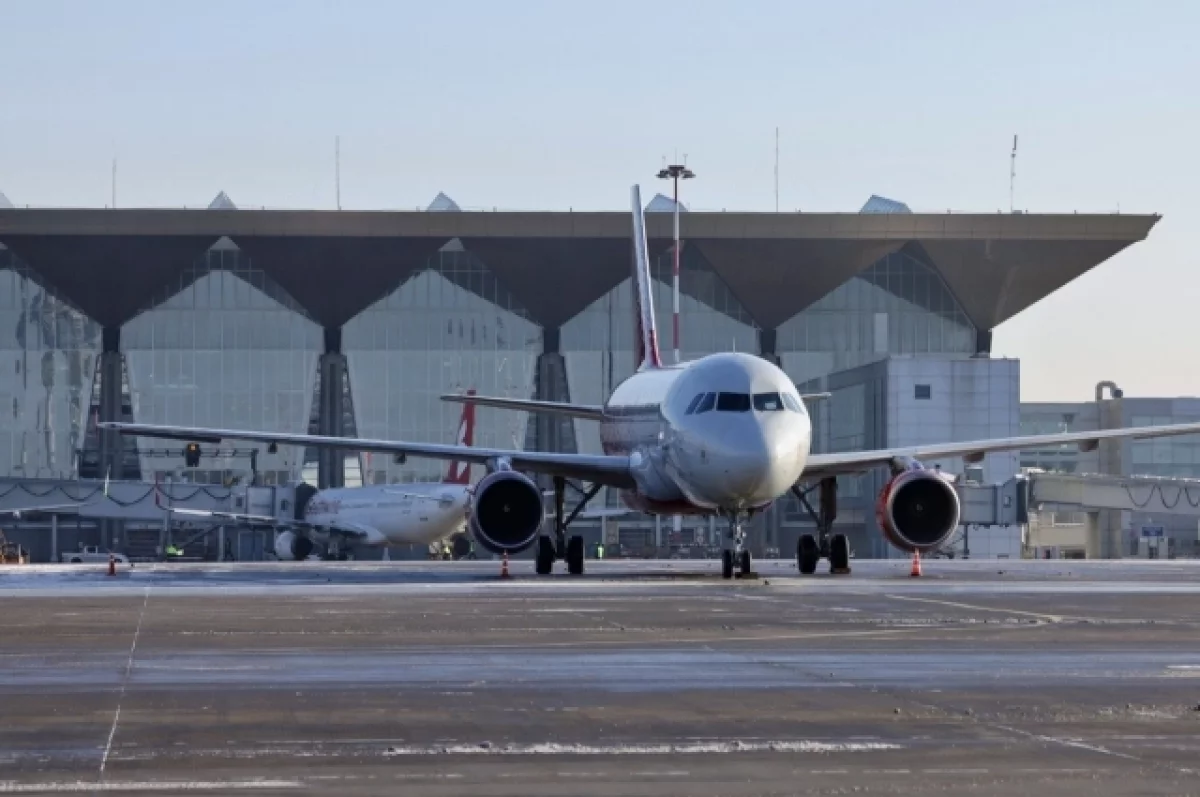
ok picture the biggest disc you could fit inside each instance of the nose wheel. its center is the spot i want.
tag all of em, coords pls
(735, 558)
(824, 544)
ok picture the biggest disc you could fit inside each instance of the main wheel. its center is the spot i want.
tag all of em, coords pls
(575, 555)
(744, 564)
(545, 556)
(726, 564)
(807, 554)
(839, 554)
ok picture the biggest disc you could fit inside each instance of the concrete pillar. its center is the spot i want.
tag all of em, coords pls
(112, 459)
(54, 537)
(1093, 545)
(767, 342)
(983, 342)
(331, 465)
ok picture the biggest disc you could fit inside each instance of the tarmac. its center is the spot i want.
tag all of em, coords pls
(640, 678)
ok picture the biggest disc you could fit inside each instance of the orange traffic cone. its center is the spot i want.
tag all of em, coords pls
(112, 565)
(916, 565)
(504, 566)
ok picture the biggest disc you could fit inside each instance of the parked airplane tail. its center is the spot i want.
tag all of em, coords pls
(646, 337)
(460, 472)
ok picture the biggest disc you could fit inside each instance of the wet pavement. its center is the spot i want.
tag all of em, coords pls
(983, 677)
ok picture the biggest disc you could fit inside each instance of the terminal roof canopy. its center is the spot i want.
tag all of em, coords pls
(334, 279)
(109, 277)
(110, 263)
(774, 280)
(557, 279)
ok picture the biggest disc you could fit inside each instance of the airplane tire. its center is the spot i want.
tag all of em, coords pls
(744, 564)
(545, 556)
(575, 555)
(807, 554)
(839, 554)
(726, 564)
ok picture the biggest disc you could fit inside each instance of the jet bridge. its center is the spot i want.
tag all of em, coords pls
(131, 516)
(1116, 506)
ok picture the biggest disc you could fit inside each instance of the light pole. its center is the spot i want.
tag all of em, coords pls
(675, 172)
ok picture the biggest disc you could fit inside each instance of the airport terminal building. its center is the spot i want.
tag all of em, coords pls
(353, 323)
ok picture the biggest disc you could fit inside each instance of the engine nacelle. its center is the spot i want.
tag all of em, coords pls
(289, 545)
(506, 512)
(918, 510)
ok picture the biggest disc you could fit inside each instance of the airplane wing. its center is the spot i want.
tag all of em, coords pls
(613, 471)
(822, 465)
(591, 412)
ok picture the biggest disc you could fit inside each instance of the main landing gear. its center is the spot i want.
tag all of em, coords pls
(735, 555)
(561, 547)
(826, 544)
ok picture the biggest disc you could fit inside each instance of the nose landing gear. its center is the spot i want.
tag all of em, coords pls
(826, 544)
(735, 556)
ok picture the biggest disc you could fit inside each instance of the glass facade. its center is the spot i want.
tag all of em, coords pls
(223, 346)
(48, 353)
(450, 327)
(899, 305)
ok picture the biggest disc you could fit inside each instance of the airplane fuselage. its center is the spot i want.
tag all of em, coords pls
(395, 514)
(727, 432)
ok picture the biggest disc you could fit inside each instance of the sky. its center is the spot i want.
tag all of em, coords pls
(562, 104)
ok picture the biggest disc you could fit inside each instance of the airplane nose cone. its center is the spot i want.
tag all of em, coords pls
(763, 468)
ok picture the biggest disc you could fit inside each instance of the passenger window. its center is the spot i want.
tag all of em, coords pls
(768, 402)
(692, 407)
(733, 402)
(706, 403)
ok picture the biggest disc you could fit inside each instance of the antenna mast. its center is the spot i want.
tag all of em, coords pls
(776, 169)
(1012, 174)
(114, 183)
(337, 170)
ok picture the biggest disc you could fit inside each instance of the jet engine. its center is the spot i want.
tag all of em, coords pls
(506, 513)
(289, 545)
(918, 510)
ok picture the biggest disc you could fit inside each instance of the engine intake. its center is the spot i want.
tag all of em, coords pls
(506, 513)
(289, 545)
(918, 510)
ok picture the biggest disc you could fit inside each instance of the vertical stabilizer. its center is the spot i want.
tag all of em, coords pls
(646, 338)
(460, 472)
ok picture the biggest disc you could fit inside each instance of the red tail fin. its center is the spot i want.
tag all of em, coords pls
(460, 472)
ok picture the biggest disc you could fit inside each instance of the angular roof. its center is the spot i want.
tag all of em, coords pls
(222, 202)
(442, 203)
(664, 204)
(556, 263)
(881, 204)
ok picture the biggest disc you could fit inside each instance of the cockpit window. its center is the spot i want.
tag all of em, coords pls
(692, 406)
(733, 402)
(792, 403)
(706, 403)
(768, 402)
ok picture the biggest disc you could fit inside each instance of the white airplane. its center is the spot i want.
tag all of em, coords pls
(372, 515)
(726, 434)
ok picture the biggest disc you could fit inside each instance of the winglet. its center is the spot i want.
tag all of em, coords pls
(460, 472)
(646, 338)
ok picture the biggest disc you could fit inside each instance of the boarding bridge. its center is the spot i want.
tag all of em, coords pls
(130, 517)
(1103, 500)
